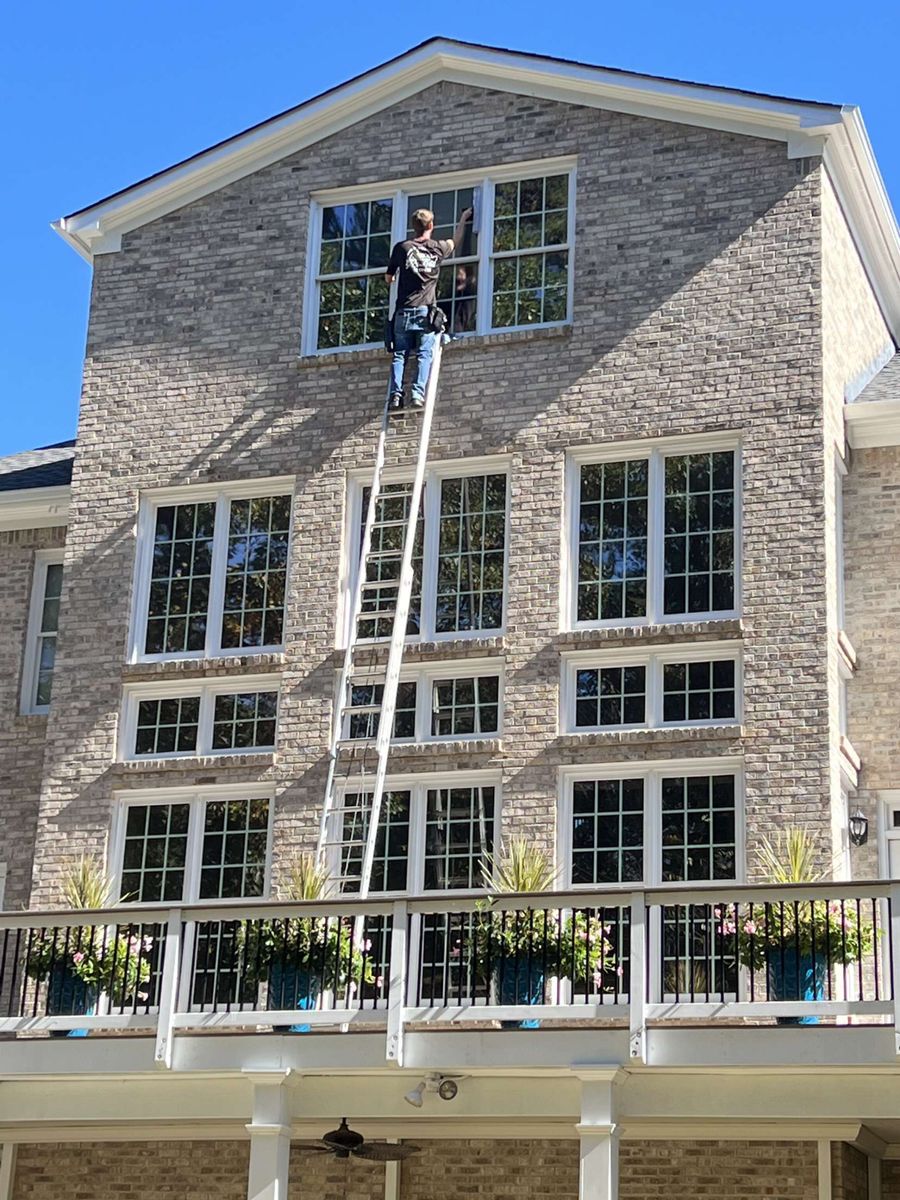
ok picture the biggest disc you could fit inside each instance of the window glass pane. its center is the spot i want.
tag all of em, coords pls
(446, 206)
(364, 725)
(52, 591)
(530, 280)
(457, 295)
(471, 553)
(155, 853)
(244, 721)
(167, 726)
(461, 707)
(610, 696)
(607, 831)
(699, 532)
(356, 247)
(233, 853)
(612, 541)
(46, 662)
(699, 691)
(255, 572)
(388, 532)
(391, 846)
(459, 835)
(180, 578)
(698, 828)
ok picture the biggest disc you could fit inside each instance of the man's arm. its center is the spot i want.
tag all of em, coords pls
(393, 265)
(460, 231)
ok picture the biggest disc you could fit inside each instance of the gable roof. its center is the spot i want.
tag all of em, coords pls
(806, 127)
(35, 487)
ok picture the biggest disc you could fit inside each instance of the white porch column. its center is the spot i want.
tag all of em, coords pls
(270, 1137)
(598, 1174)
(7, 1170)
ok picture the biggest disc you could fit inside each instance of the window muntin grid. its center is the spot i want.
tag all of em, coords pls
(459, 836)
(390, 863)
(471, 553)
(699, 691)
(607, 831)
(530, 257)
(365, 725)
(610, 696)
(233, 849)
(612, 540)
(180, 578)
(244, 720)
(457, 282)
(699, 837)
(699, 532)
(46, 638)
(154, 856)
(255, 572)
(464, 706)
(391, 514)
(353, 296)
(167, 726)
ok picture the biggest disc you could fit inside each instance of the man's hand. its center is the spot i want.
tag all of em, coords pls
(466, 215)
(460, 231)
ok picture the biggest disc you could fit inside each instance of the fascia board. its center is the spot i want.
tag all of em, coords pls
(89, 229)
(35, 508)
(873, 423)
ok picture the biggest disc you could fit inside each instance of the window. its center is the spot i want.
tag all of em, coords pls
(459, 562)
(433, 836)
(202, 846)
(512, 269)
(662, 822)
(217, 716)
(654, 533)
(698, 684)
(211, 571)
(43, 622)
(444, 700)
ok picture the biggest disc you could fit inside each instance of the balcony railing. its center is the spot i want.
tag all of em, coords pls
(808, 954)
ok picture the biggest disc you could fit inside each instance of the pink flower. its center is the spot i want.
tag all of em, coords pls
(78, 957)
(751, 928)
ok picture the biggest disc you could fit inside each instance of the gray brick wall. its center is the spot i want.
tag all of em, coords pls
(697, 307)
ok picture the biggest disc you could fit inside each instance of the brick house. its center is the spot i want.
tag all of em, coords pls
(651, 628)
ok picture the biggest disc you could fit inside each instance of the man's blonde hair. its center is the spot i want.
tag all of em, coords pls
(422, 218)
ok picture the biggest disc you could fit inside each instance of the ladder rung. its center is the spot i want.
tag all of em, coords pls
(387, 613)
(391, 523)
(378, 585)
(376, 555)
(361, 708)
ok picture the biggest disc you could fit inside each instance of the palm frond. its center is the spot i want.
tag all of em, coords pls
(521, 867)
(306, 879)
(87, 885)
(789, 857)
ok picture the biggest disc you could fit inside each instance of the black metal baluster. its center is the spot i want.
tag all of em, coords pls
(876, 933)
(859, 960)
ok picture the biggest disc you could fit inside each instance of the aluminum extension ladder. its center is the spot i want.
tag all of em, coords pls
(364, 823)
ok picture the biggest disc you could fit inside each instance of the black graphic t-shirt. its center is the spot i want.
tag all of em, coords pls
(417, 266)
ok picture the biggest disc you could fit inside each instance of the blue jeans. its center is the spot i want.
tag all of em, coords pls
(412, 336)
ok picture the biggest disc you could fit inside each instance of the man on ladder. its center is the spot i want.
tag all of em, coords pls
(416, 264)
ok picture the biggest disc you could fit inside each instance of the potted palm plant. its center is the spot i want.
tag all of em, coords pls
(81, 962)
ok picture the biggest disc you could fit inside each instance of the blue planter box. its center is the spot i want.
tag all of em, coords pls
(796, 980)
(67, 996)
(292, 987)
(519, 983)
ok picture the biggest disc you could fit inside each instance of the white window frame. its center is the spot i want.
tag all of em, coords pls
(655, 450)
(653, 660)
(207, 690)
(483, 181)
(223, 494)
(652, 772)
(357, 481)
(418, 785)
(33, 637)
(424, 675)
(196, 798)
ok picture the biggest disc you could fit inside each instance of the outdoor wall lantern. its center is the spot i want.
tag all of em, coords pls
(859, 828)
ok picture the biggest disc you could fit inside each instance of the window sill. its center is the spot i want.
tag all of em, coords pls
(676, 631)
(199, 762)
(190, 668)
(416, 652)
(633, 737)
(478, 340)
(362, 750)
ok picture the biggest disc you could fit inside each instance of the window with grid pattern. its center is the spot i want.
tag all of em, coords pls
(365, 725)
(458, 279)
(612, 541)
(233, 849)
(698, 828)
(608, 831)
(244, 721)
(471, 553)
(255, 572)
(530, 251)
(389, 865)
(167, 726)
(388, 532)
(699, 532)
(460, 707)
(353, 254)
(610, 696)
(180, 578)
(43, 627)
(699, 691)
(154, 856)
(459, 836)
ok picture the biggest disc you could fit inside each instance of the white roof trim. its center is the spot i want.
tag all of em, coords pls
(806, 128)
(35, 508)
(873, 423)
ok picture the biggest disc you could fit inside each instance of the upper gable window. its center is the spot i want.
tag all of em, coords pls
(511, 270)
(43, 621)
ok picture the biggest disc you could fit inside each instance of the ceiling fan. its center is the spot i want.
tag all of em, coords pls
(345, 1142)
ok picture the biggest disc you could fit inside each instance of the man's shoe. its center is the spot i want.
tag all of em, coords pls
(416, 401)
(395, 401)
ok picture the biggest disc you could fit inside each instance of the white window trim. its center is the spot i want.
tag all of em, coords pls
(652, 772)
(207, 690)
(418, 785)
(424, 676)
(223, 494)
(653, 660)
(655, 450)
(397, 190)
(32, 658)
(197, 798)
(357, 481)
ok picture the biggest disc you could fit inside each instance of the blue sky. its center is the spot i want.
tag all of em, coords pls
(96, 98)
